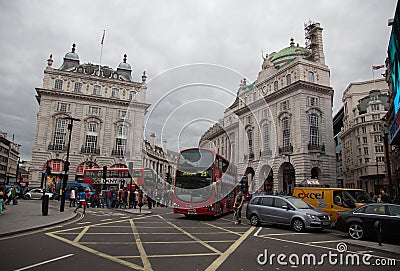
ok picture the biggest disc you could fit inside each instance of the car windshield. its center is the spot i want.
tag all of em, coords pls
(299, 203)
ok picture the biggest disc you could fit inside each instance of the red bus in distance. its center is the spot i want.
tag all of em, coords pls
(117, 178)
(205, 183)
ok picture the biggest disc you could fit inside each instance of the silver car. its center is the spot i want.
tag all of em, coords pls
(286, 210)
(37, 193)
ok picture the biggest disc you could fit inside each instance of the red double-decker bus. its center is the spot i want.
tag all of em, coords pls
(117, 178)
(205, 183)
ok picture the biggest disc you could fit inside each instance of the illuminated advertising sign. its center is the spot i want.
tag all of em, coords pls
(394, 62)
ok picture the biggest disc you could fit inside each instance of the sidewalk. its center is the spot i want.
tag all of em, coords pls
(375, 246)
(27, 215)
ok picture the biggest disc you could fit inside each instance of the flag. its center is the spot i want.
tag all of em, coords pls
(102, 39)
(378, 67)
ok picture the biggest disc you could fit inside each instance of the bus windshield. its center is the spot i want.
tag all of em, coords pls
(193, 187)
(195, 160)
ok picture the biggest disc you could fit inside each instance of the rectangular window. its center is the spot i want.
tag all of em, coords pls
(365, 140)
(93, 110)
(366, 150)
(115, 93)
(132, 95)
(91, 142)
(56, 166)
(78, 87)
(312, 101)
(58, 84)
(378, 149)
(362, 119)
(363, 129)
(96, 90)
(377, 127)
(311, 77)
(380, 159)
(377, 138)
(285, 105)
(122, 114)
(376, 117)
(63, 107)
(288, 79)
(375, 107)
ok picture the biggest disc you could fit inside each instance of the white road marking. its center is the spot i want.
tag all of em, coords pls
(258, 231)
(83, 223)
(107, 219)
(48, 261)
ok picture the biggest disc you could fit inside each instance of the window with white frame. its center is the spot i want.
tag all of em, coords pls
(377, 138)
(60, 132)
(375, 107)
(378, 149)
(96, 90)
(94, 110)
(115, 92)
(78, 87)
(63, 107)
(120, 141)
(366, 150)
(376, 117)
(132, 95)
(377, 127)
(312, 101)
(380, 159)
(250, 140)
(286, 132)
(122, 114)
(58, 84)
(314, 130)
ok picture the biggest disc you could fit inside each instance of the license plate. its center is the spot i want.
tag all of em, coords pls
(325, 223)
(191, 212)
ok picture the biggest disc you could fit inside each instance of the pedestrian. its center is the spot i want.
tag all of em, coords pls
(81, 200)
(385, 197)
(1, 199)
(140, 200)
(238, 207)
(72, 197)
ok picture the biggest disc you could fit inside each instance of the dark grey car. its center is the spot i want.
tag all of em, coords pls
(286, 210)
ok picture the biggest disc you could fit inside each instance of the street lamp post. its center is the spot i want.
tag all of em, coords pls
(66, 163)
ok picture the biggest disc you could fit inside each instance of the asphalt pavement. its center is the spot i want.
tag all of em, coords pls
(27, 215)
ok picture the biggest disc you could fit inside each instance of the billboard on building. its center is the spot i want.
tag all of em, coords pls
(394, 62)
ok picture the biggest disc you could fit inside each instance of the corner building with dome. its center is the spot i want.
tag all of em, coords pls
(110, 107)
(279, 130)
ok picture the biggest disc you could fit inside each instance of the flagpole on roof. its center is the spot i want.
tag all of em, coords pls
(101, 51)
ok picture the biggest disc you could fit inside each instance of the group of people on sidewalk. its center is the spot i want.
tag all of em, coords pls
(122, 198)
(6, 196)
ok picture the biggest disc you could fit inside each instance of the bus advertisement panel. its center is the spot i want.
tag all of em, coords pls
(205, 183)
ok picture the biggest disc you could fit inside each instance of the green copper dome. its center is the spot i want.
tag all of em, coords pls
(290, 51)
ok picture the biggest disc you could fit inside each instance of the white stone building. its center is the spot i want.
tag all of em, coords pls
(110, 106)
(365, 104)
(279, 131)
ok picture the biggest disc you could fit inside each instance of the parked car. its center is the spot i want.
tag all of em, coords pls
(37, 193)
(286, 210)
(359, 223)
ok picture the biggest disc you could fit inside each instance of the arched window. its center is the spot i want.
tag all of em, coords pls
(286, 132)
(91, 137)
(311, 77)
(314, 131)
(60, 133)
(288, 79)
(276, 86)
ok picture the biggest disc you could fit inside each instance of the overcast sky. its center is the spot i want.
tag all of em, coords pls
(169, 39)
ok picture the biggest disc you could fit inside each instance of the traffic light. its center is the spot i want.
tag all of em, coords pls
(105, 172)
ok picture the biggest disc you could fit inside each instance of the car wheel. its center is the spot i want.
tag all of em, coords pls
(254, 220)
(356, 231)
(298, 225)
(27, 197)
